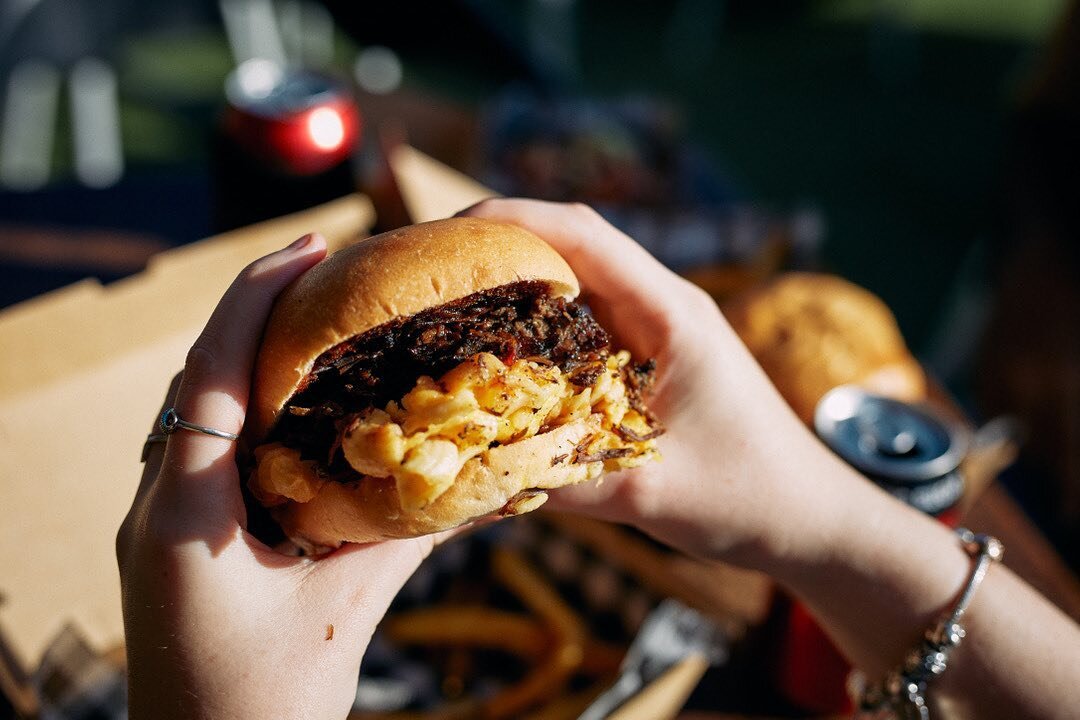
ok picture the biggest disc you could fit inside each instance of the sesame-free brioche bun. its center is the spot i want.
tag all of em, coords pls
(812, 332)
(392, 275)
(384, 278)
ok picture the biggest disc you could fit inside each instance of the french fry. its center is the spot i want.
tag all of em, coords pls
(550, 674)
(477, 626)
(470, 626)
(543, 682)
(552, 638)
(519, 577)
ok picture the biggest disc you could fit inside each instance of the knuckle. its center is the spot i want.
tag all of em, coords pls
(129, 537)
(690, 300)
(485, 206)
(585, 212)
(252, 272)
(597, 232)
(251, 278)
(638, 493)
(700, 300)
(422, 549)
(122, 542)
(202, 357)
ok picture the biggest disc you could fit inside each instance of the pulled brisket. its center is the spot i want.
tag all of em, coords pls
(513, 321)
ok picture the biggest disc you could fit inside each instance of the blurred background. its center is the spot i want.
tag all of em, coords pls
(926, 150)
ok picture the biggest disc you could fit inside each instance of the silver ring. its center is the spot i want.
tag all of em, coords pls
(171, 422)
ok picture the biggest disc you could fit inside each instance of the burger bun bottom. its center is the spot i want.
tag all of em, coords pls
(504, 480)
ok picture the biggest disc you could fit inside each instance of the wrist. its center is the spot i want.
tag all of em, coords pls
(882, 576)
(223, 677)
(822, 508)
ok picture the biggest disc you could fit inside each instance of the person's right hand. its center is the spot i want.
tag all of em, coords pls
(723, 487)
(743, 480)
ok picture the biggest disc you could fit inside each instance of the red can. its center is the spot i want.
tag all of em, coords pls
(287, 141)
(912, 452)
(300, 121)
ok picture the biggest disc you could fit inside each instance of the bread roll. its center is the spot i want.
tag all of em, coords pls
(813, 332)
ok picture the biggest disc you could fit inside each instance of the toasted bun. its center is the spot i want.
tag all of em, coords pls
(814, 332)
(396, 274)
(505, 480)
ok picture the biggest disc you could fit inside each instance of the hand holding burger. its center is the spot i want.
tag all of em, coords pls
(742, 480)
(216, 624)
(434, 375)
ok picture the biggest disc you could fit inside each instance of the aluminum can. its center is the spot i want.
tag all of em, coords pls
(286, 142)
(913, 452)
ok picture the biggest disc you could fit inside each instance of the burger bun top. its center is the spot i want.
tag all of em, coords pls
(388, 276)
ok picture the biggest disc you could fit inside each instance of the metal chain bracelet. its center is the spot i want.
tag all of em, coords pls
(902, 694)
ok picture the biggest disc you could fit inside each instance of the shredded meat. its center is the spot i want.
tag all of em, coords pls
(629, 434)
(602, 455)
(520, 320)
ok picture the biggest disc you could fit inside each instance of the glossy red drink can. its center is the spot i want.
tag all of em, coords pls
(286, 142)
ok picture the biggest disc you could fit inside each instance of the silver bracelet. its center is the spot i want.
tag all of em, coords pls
(902, 694)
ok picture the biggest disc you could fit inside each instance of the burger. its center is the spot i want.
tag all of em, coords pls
(431, 376)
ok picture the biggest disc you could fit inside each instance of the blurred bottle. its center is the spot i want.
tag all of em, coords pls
(286, 142)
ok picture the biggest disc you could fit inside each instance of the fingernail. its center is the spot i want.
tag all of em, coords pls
(301, 243)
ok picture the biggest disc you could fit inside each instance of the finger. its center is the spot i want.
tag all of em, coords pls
(156, 450)
(393, 561)
(642, 303)
(599, 500)
(217, 374)
(612, 266)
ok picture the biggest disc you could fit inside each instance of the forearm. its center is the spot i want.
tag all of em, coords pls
(884, 574)
(179, 688)
(875, 572)
(890, 575)
(742, 480)
(1021, 657)
(264, 661)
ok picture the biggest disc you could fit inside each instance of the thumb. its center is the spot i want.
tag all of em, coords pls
(610, 264)
(368, 577)
(631, 293)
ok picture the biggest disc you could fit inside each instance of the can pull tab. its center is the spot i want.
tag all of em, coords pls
(882, 435)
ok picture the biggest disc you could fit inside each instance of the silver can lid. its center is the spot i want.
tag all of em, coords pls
(889, 439)
(265, 89)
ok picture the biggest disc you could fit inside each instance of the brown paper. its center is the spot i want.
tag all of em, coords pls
(662, 698)
(83, 373)
(431, 190)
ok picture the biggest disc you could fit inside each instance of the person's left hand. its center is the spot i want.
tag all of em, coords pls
(218, 624)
